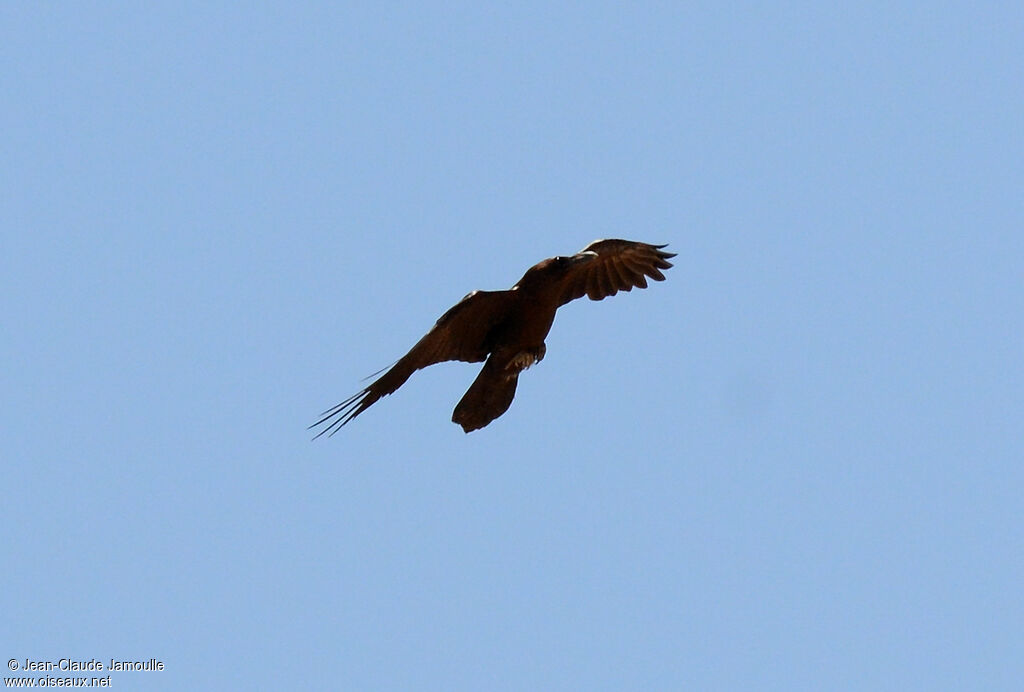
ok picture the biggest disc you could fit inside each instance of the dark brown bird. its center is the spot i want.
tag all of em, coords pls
(507, 328)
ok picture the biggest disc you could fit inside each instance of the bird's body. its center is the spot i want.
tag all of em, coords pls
(507, 329)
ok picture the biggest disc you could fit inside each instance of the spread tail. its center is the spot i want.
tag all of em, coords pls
(487, 398)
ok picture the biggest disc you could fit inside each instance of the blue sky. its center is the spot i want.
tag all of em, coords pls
(796, 464)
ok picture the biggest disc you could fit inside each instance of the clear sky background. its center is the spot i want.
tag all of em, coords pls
(796, 464)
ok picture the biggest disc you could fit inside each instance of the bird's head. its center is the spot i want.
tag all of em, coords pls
(551, 269)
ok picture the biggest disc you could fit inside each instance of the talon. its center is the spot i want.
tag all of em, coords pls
(524, 359)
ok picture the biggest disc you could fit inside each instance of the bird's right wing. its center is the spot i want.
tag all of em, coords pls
(463, 333)
(606, 267)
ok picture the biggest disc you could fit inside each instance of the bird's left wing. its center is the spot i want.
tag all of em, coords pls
(606, 267)
(463, 333)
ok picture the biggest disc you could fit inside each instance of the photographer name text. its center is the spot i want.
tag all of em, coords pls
(70, 664)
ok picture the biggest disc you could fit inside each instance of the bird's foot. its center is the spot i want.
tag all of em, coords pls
(524, 359)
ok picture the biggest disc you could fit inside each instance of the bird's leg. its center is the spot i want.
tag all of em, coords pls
(524, 359)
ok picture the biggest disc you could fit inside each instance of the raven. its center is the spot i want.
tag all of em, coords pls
(507, 328)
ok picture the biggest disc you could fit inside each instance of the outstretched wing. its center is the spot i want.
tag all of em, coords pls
(606, 267)
(463, 333)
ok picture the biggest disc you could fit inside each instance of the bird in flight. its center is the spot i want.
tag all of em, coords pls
(506, 329)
